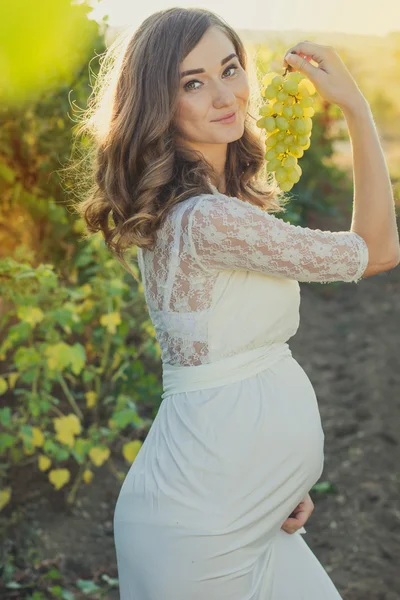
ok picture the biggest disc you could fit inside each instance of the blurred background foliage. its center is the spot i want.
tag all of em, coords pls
(80, 372)
(61, 291)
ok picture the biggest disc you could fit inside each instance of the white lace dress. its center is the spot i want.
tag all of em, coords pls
(237, 442)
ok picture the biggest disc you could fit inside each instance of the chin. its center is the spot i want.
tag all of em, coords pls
(231, 136)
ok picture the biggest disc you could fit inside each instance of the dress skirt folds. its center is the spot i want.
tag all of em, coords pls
(235, 446)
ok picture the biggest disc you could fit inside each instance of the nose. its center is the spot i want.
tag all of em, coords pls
(223, 95)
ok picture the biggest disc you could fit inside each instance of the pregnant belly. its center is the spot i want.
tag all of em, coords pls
(233, 457)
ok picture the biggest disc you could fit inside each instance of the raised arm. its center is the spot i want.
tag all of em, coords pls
(228, 233)
(374, 215)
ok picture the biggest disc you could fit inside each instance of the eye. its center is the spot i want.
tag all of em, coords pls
(187, 88)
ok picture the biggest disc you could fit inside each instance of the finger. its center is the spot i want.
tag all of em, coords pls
(316, 51)
(290, 528)
(298, 521)
(301, 64)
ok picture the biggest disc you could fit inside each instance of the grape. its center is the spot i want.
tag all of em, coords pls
(278, 81)
(286, 117)
(271, 141)
(296, 150)
(281, 174)
(282, 123)
(266, 80)
(289, 139)
(269, 124)
(298, 111)
(271, 92)
(289, 162)
(280, 148)
(277, 107)
(309, 112)
(286, 186)
(273, 164)
(299, 169)
(293, 126)
(282, 96)
(306, 84)
(300, 126)
(293, 175)
(291, 87)
(271, 154)
(303, 140)
(295, 76)
(287, 112)
(308, 123)
(306, 102)
(267, 110)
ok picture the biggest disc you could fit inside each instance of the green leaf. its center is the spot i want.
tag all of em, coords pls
(7, 441)
(5, 416)
(7, 173)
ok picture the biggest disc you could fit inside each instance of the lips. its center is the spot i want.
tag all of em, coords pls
(225, 116)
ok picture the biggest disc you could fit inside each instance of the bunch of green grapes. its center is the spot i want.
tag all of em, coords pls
(286, 117)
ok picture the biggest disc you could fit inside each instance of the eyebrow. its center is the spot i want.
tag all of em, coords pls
(195, 71)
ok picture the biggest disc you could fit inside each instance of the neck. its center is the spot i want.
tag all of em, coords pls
(215, 155)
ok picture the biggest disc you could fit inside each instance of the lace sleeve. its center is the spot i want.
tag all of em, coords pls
(228, 233)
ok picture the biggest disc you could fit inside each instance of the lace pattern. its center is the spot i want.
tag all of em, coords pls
(200, 285)
(227, 233)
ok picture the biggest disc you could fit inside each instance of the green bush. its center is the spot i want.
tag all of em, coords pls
(74, 355)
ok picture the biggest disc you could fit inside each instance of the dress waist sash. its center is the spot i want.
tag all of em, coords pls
(178, 378)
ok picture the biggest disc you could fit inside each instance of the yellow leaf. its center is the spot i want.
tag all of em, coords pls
(131, 449)
(12, 378)
(74, 423)
(87, 476)
(86, 288)
(3, 385)
(31, 315)
(66, 437)
(306, 84)
(88, 304)
(38, 437)
(68, 424)
(110, 321)
(5, 497)
(91, 399)
(58, 423)
(99, 455)
(58, 356)
(44, 462)
(84, 307)
(59, 477)
(73, 276)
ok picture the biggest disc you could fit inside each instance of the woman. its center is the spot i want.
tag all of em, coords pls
(213, 506)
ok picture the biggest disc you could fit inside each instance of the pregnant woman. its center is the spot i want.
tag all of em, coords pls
(212, 508)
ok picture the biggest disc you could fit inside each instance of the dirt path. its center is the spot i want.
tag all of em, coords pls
(348, 343)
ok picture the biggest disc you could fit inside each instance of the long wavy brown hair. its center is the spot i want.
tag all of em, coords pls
(136, 171)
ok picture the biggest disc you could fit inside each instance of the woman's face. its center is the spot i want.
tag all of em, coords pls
(215, 92)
